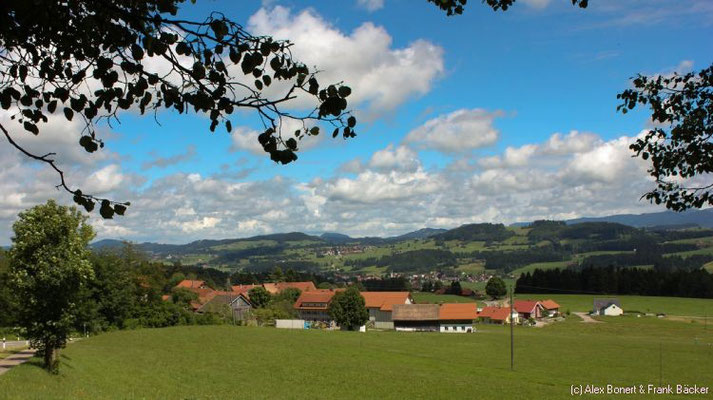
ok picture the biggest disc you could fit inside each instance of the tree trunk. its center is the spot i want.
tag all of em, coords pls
(51, 357)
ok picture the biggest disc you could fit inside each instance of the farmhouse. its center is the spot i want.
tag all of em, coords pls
(449, 317)
(457, 317)
(416, 317)
(220, 302)
(380, 306)
(607, 307)
(313, 305)
(550, 307)
(497, 315)
(528, 309)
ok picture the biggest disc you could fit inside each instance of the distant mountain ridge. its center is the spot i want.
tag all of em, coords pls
(660, 220)
(419, 234)
(702, 218)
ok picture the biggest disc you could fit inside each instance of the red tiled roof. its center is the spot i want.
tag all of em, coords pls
(525, 306)
(450, 311)
(495, 313)
(302, 286)
(550, 304)
(243, 288)
(385, 300)
(271, 288)
(317, 296)
(189, 284)
(165, 297)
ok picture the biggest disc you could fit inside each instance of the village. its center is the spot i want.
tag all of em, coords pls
(387, 310)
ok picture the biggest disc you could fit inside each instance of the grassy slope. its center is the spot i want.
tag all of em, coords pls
(709, 267)
(646, 304)
(232, 362)
(423, 297)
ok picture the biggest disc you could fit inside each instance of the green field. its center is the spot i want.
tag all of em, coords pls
(542, 265)
(480, 286)
(645, 304)
(701, 251)
(424, 297)
(221, 362)
(709, 267)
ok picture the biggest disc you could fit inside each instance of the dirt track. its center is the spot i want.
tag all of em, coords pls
(15, 359)
(586, 318)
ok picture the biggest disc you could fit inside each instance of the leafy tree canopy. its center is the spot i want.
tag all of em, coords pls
(681, 145)
(495, 287)
(49, 265)
(259, 297)
(348, 309)
(91, 60)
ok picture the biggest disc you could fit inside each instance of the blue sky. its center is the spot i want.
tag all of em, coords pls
(484, 117)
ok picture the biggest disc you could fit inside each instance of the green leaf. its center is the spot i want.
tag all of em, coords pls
(29, 126)
(120, 209)
(105, 210)
(68, 113)
(345, 91)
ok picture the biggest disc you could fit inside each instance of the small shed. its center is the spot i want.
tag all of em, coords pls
(607, 307)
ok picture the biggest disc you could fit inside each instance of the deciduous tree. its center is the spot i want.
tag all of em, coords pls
(495, 287)
(348, 309)
(49, 265)
(259, 297)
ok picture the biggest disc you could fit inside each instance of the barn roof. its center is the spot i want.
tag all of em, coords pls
(415, 312)
(385, 300)
(451, 311)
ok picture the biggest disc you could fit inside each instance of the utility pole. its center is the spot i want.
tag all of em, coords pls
(512, 339)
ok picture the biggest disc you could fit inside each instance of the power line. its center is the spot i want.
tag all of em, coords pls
(512, 339)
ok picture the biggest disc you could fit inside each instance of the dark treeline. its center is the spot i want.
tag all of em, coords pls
(649, 258)
(233, 256)
(612, 280)
(418, 261)
(127, 288)
(668, 235)
(424, 260)
(557, 230)
(399, 284)
(639, 242)
(266, 265)
(476, 232)
(507, 261)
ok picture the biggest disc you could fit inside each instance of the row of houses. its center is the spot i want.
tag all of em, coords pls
(387, 310)
(397, 310)
(237, 299)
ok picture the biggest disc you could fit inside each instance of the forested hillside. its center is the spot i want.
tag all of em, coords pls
(469, 249)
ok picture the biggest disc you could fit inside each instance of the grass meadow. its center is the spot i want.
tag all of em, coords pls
(219, 362)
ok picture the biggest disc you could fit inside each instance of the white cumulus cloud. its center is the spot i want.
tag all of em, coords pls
(458, 132)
